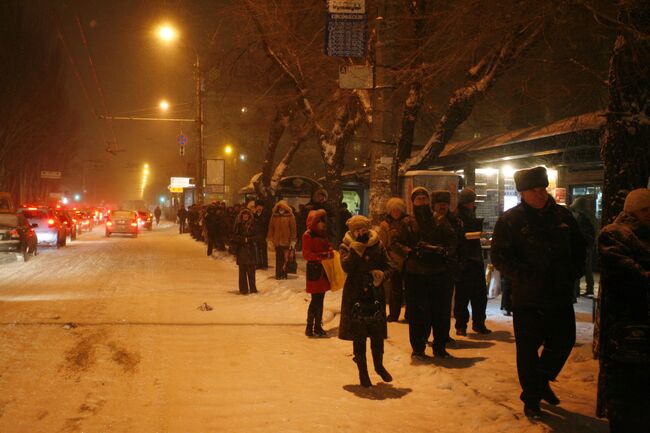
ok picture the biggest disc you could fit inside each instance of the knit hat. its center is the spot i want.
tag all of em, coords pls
(395, 203)
(637, 200)
(358, 222)
(531, 178)
(419, 191)
(467, 195)
(441, 196)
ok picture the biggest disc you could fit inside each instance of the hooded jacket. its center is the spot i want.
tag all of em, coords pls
(244, 239)
(314, 249)
(282, 227)
(358, 260)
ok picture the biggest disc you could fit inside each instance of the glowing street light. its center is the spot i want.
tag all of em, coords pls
(242, 157)
(164, 105)
(228, 150)
(167, 33)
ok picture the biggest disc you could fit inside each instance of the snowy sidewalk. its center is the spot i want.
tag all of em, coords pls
(145, 358)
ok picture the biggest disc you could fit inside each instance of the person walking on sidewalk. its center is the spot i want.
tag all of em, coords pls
(389, 228)
(282, 234)
(470, 284)
(363, 306)
(315, 248)
(182, 219)
(244, 242)
(157, 212)
(538, 246)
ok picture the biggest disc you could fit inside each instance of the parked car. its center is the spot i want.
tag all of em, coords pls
(68, 222)
(48, 227)
(123, 222)
(146, 219)
(17, 235)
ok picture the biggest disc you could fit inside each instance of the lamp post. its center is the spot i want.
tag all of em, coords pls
(168, 34)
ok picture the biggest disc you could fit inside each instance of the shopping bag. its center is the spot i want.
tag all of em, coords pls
(334, 271)
(494, 287)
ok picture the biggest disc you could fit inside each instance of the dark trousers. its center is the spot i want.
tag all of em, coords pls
(212, 242)
(263, 258)
(280, 263)
(506, 295)
(181, 226)
(428, 302)
(471, 288)
(315, 310)
(395, 295)
(555, 330)
(247, 279)
(376, 347)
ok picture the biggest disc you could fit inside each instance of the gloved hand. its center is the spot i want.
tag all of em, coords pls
(377, 277)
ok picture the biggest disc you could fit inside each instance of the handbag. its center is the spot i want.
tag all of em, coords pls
(368, 310)
(292, 264)
(314, 270)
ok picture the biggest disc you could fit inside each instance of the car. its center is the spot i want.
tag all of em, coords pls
(84, 221)
(123, 222)
(17, 235)
(69, 223)
(49, 229)
(146, 219)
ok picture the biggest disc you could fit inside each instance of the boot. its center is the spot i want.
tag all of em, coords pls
(378, 361)
(318, 323)
(364, 379)
(309, 331)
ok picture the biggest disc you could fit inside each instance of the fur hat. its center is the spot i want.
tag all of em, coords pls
(531, 178)
(419, 191)
(467, 195)
(395, 203)
(637, 200)
(358, 222)
(320, 191)
(441, 196)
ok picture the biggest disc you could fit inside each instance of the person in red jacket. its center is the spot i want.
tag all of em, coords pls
(315, 248)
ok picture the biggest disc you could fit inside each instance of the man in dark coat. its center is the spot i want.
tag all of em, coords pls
(182, 219)
(213, 225)
(470, 283)
(624, 379)
(262, 215)
(157, 212)
(427, 280)
(588, 227)
(539, 247)
(363, 306)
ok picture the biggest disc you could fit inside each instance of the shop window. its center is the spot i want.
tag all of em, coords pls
(592, 192)
(353, 199)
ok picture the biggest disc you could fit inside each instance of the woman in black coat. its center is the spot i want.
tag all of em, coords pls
(363, 305)
(244, 241)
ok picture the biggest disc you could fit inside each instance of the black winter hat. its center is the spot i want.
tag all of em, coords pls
(259, 202)
(440, 196)
(467, 195)
(531, 178)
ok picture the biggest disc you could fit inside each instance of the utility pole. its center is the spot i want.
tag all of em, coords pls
(382, 132)
(200, 178)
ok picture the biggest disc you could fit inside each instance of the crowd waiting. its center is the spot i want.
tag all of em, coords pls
(433, 257)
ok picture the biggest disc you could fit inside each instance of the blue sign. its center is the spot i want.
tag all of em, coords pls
(346, 34)
(182, 139)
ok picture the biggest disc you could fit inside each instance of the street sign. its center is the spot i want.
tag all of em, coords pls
(182, 139)
(346, 29)
(50, 175)
(181, 182)
(355, 77)
(215, 170)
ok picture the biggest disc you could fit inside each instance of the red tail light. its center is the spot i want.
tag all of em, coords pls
(134, 224)
(50, 222)
(14, 234)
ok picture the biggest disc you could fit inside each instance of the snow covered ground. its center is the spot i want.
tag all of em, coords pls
(138, 355)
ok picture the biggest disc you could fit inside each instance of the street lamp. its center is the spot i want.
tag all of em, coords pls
(167, 34)
(228, 150)
(164, 105)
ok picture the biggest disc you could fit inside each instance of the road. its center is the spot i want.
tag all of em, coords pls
(106, 335)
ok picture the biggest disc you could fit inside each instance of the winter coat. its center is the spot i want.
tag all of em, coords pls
(214, 222)
(314, 249)
(586, 221)
(469, 250)
(358, 260)
(542, 252)
(244, 240)
(624, 248)
(282, 228)
(389, 229)
(437, 233)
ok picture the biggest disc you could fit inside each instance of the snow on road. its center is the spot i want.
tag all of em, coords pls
(140, 356)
